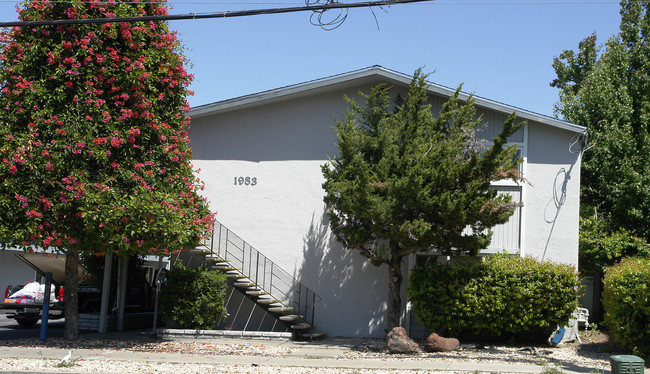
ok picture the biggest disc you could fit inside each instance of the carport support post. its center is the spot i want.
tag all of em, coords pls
(157, 285)
(46, 306)
(121, 291)
(106, 288)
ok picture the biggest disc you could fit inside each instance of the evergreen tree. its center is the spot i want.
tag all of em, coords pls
(608, 90)
(406, 181)
(94, 151)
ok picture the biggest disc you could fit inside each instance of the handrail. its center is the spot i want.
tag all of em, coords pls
(263, 272)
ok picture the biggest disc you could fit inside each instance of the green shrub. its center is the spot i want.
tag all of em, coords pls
(194, 298)
(502, 295)
(626, 299)
(601, 248)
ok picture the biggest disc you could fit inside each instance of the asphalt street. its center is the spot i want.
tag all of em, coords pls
(9, 329)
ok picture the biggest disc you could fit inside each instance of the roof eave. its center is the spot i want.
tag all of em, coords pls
(342, 79)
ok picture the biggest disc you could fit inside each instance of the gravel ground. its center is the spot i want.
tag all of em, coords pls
(593, 354)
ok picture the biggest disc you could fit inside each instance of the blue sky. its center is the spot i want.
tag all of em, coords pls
(500, 49)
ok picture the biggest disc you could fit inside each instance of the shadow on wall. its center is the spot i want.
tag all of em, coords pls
(353, 291)
(558, 199)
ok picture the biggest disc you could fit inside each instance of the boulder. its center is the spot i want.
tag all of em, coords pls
(399, 342)
(436, 343)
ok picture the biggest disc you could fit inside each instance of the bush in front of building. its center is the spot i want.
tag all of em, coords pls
(501, 296)
(194, 298)
(626, 299)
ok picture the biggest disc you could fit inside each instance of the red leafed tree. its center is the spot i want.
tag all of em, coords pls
(93, 144)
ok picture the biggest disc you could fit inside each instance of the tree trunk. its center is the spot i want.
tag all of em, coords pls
(70, 296)
(394, 297)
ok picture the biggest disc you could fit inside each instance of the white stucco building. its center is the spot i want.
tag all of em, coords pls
(260, 158)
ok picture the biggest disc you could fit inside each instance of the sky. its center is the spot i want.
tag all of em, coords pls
(498, 49)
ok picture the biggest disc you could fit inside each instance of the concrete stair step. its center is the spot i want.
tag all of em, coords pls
(256, 292)
(311, 335)
(237, 276)
(301, 326)
(280, 309)
(269, 301)
(246, 285)
(289, 317)
(200, 251)
(225, 267)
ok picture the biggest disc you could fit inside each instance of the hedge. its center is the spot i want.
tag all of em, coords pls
(502, 295)
(194, 298)
(626, 300)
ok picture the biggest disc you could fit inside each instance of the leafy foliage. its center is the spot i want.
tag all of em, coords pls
(500, 295)
(406, 180)
(600, 248)
(194, 298)
(93, 139)
(94, 151)
(608, 90)
(626, 299)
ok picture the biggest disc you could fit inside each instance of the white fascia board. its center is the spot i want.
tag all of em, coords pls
(352, 78)
(282, 92)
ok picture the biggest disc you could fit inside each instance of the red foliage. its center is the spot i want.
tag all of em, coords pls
(93, 134)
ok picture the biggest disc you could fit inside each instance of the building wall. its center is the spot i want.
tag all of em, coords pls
(14, 271)
(262, 171)
(553, 196)
(282, 215)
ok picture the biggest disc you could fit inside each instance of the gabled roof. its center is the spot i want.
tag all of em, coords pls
(359, 77)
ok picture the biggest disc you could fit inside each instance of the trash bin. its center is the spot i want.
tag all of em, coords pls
(627, 364)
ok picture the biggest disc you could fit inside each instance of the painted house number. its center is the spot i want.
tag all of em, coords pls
(245, 181)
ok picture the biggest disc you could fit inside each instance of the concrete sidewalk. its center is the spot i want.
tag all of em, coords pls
(314, 357)
(318, 354)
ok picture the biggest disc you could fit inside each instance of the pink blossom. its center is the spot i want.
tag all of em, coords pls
(21, 198)
(116, 142)
(47, 204)
(33, 213)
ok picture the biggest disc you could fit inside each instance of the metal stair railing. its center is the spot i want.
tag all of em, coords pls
(268, 276)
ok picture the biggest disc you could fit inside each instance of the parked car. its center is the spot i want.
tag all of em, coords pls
(27, 311)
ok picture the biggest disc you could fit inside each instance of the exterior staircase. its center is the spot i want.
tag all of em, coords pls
(261, 280)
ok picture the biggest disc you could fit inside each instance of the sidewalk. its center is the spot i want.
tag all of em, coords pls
(319, 354)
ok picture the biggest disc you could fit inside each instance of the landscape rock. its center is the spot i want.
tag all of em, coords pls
(436, 343)
(399, 342)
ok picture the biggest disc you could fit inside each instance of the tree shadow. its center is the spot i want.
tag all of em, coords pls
(353, 291)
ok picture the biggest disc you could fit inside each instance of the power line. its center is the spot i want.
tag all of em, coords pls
(226, 14)
(439, 2)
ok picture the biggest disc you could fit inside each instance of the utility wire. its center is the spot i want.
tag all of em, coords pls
(226, 14)
(439, 2)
